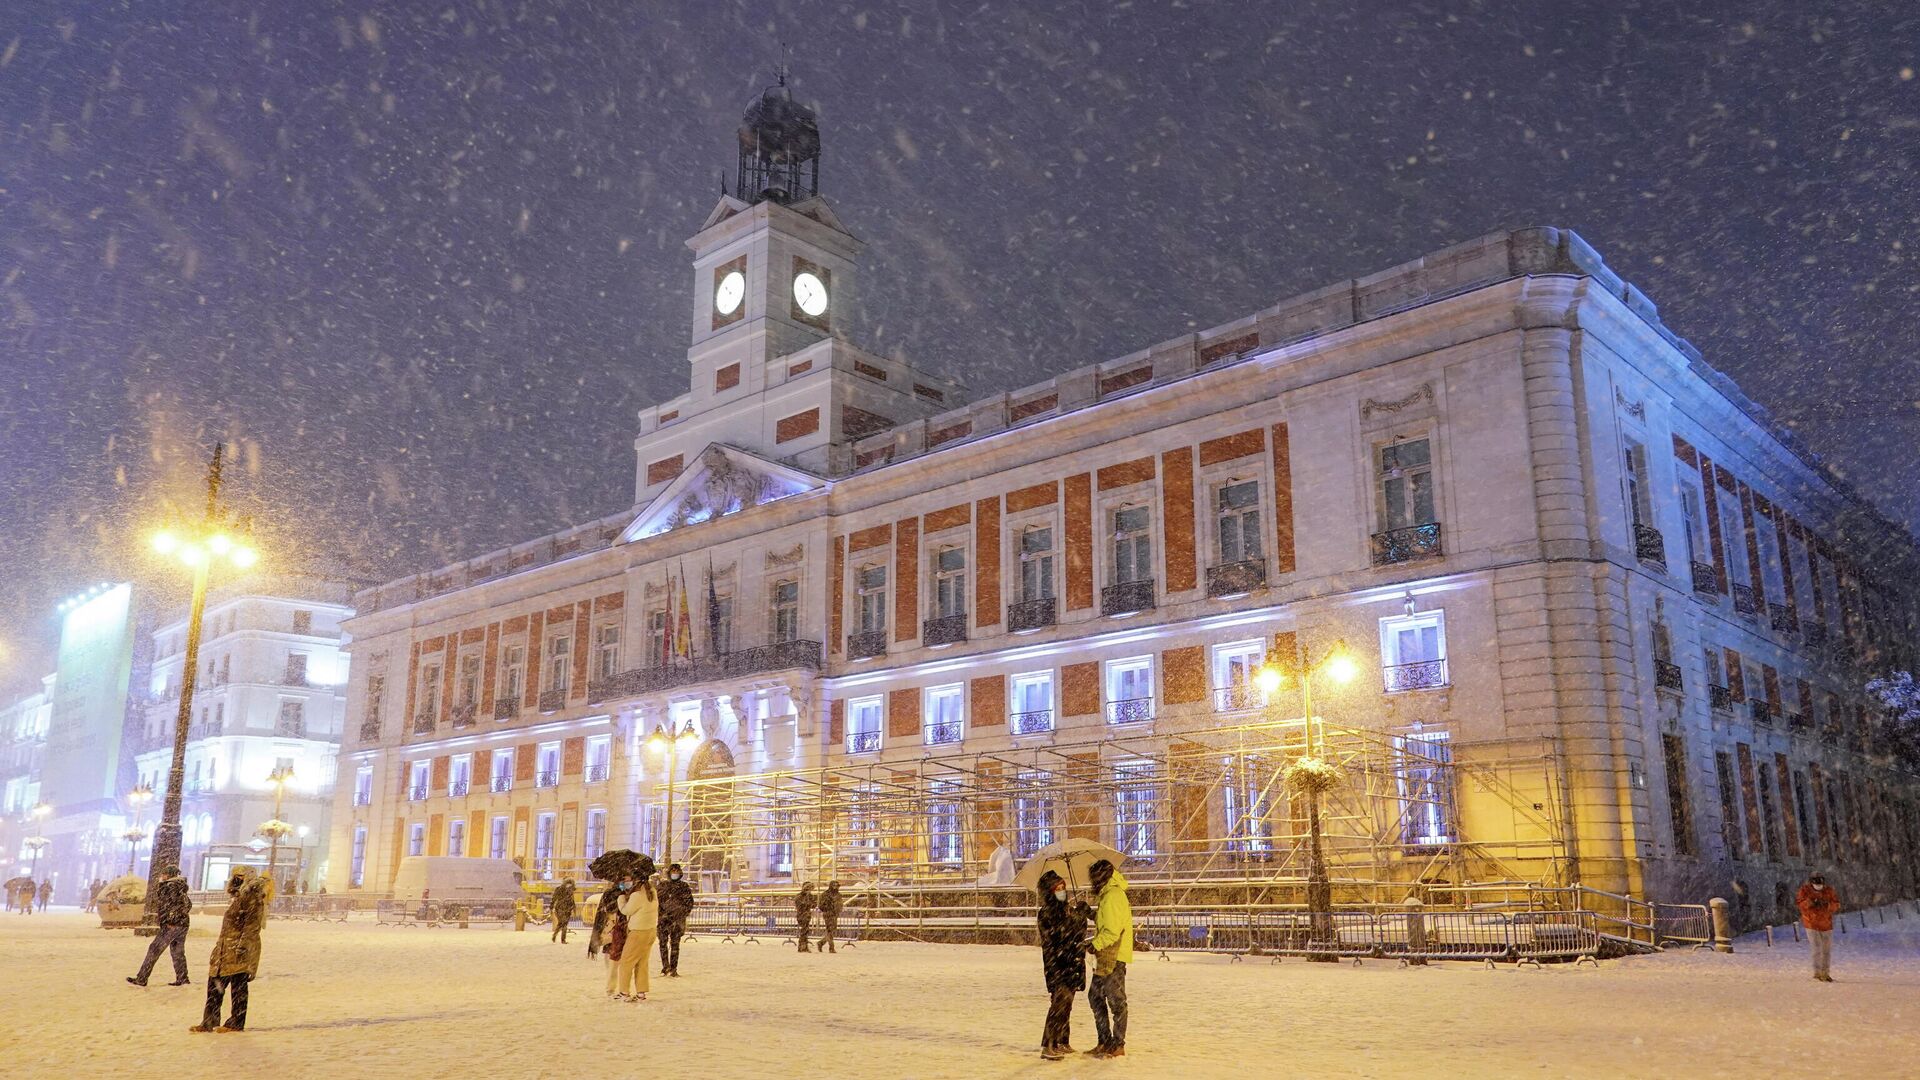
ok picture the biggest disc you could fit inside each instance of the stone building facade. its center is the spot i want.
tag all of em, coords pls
(1611, 626)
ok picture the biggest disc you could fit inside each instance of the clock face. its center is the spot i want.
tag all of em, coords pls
(728, 294)
(810, 293)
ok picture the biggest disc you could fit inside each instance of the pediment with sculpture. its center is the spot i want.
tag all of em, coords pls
(723, 480)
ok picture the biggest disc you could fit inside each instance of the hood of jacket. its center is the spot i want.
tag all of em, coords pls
(1117, 882)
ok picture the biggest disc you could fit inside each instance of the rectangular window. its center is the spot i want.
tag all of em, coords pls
(559, 663)
(417, 838)
(943, 712)
(1639, 489)
(497, 839)
(1413, 651)
(659, 632)
(543, 844)
(1036, 562)
(1130, 690)
(292, 721)
(1769, 820)
(1250, 782)
(1033, 813)
(1237, 505)
(1405, 479)
(467, 692)
(303, 622)
(460, 775)
(1135, 811)
(357, 863)
(786, 612)
(864, 719)
(1426, 788)
(1132, 545)
(1679, 804)
(780, 839)
(1733, 536)
(596, 833)
(950, 582)
(457, 836)
(363, 786)
(1693, 519)
(514, 671)
(872, 587)
(296, 669)
(1770, 573)
(606, 652)
(1032, 703)
(599, 758)
(502, 771)
(946, 843)
(546, 770)
(863, 822)
(418, 774)
(721, 629)
(1729, 803)
(430, 691)
(1234, 666)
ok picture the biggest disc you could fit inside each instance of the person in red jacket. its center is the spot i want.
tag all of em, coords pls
(1818, 904)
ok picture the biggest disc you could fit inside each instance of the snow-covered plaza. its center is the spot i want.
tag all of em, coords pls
(364, 1000)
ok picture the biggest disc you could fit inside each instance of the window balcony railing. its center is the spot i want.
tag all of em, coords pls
(1666, 676)
(1405, 545)
(1130, 711)
(1815, 634)
(363, 798)
(418, 793)
(552, 701)
(1649, 546)
(866, 644)
(1239, 697)
(1706, 580)
(1026, 615)
(423, 723)
(1781, 618)
(369, 730)
(1720, 698)
(1418, 675)
(739, 663)
(506, 708)
(1127, 597)
(1237, 578)
(1032, 723)
(1744, 599)
(549, 778)
(501, 784)
(457, 788)
(943, 734)
(464, 714)
(863, 742)
(945, 630)
(597, 772)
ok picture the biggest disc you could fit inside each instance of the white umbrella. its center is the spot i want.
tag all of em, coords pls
(1071, 858)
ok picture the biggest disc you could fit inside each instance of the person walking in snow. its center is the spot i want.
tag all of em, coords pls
(640, 909)
(236, 954)
(676, 903)
(172, 911)
(562, 910)
(1063, 960)
(1112, 948)
(46, 893)
(830, 907)
(803, 905)
(1818, 904)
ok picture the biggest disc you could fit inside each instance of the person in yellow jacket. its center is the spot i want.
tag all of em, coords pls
(1112, 948)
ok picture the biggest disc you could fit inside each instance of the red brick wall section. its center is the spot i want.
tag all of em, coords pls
(535, 623)
(799, 425)
(659, 472)
(1282, 500)
(903, 713)
(836, 594)
(1231, 447)
(862, 539)
(1736, 676)
(1176, 510)
(582, 649)
(413, 686)
(1788, 814)
(1227, 347)
(1113, 383)
(1027, 498)
(442, 772)
(489, 670)
(948, 517)
(906, 580)
(987, 704)
(1079, 529)
(437, 834)
(836, 721)
(1137, 471)
(523, 762)
(1286, 652)
(1080, 689)
(986, 553)
(726, 378)
(573, 755)
(949, 433)
(1183, 675)
(1032, 407)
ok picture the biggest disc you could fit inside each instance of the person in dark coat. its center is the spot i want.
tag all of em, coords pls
(562, 910)
(46, 893)
(1063, 959)
(676, 903)
(603, 914)
(172, 910)
(803, 905)
(236, 955)
(830, 906)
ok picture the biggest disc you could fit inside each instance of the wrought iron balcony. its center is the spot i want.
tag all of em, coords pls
(596, 773)
(1241, 697)
(942, 734)
(1649, 546)
(1236, 579)
(862, 742)
(552, 701)
(464, 714)
(1419, 675)
(1744, 600)
(866, 643)
(761, 659)
(1706, 579)
(1025, 615)
(1032, 723)
(1760, 710)
(945, 630)
(457, 788)
(1666, 676)
(290, 729)
(1127, 597)
(1130, 711)
(506, 707)
(1781, 617)
(501, 783)
(1405, 545)
(418, 793)
(423, 722)
(1720, 698)
(1814, 633)
(1797, 722)
(363, 798)
(549, 778)
(369, 730)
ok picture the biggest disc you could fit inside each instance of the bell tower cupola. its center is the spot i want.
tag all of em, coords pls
(779, 148)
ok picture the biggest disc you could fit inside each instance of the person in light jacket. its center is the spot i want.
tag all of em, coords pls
(640, 906)
(1112, 949)
(236, 955)
(1818, 904)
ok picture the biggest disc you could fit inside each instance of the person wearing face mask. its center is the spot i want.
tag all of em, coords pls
(640, 912)
(236, 955)
(830, 906)
(1063, 959)
(803, 905)
(676, 903)
(1818, 904)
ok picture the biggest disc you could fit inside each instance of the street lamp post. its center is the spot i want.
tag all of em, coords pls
(670, 746)
(36, 842)
(197, 548)
(1313, 776)
(139, 797)
(277, 828)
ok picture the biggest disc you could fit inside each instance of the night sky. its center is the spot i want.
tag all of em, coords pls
(423, 262)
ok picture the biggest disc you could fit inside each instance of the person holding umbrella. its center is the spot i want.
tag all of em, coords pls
(1063, 959)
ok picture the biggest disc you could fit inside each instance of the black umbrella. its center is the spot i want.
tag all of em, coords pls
(616, 864)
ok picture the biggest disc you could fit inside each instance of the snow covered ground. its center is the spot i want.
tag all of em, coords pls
(367, 1001)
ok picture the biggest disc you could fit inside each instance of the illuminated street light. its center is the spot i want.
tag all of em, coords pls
(1339, 665)
(138, 798)
(670, 746)
(276, 828)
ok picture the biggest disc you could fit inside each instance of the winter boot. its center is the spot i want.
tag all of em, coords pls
(1053, 1053)
(177, 982)
(136, 980)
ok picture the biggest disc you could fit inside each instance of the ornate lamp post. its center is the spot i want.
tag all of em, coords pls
(275, 829)
(670, 746)
(36, 842)
(1312, 775)
(197, 547)
(138, 798)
